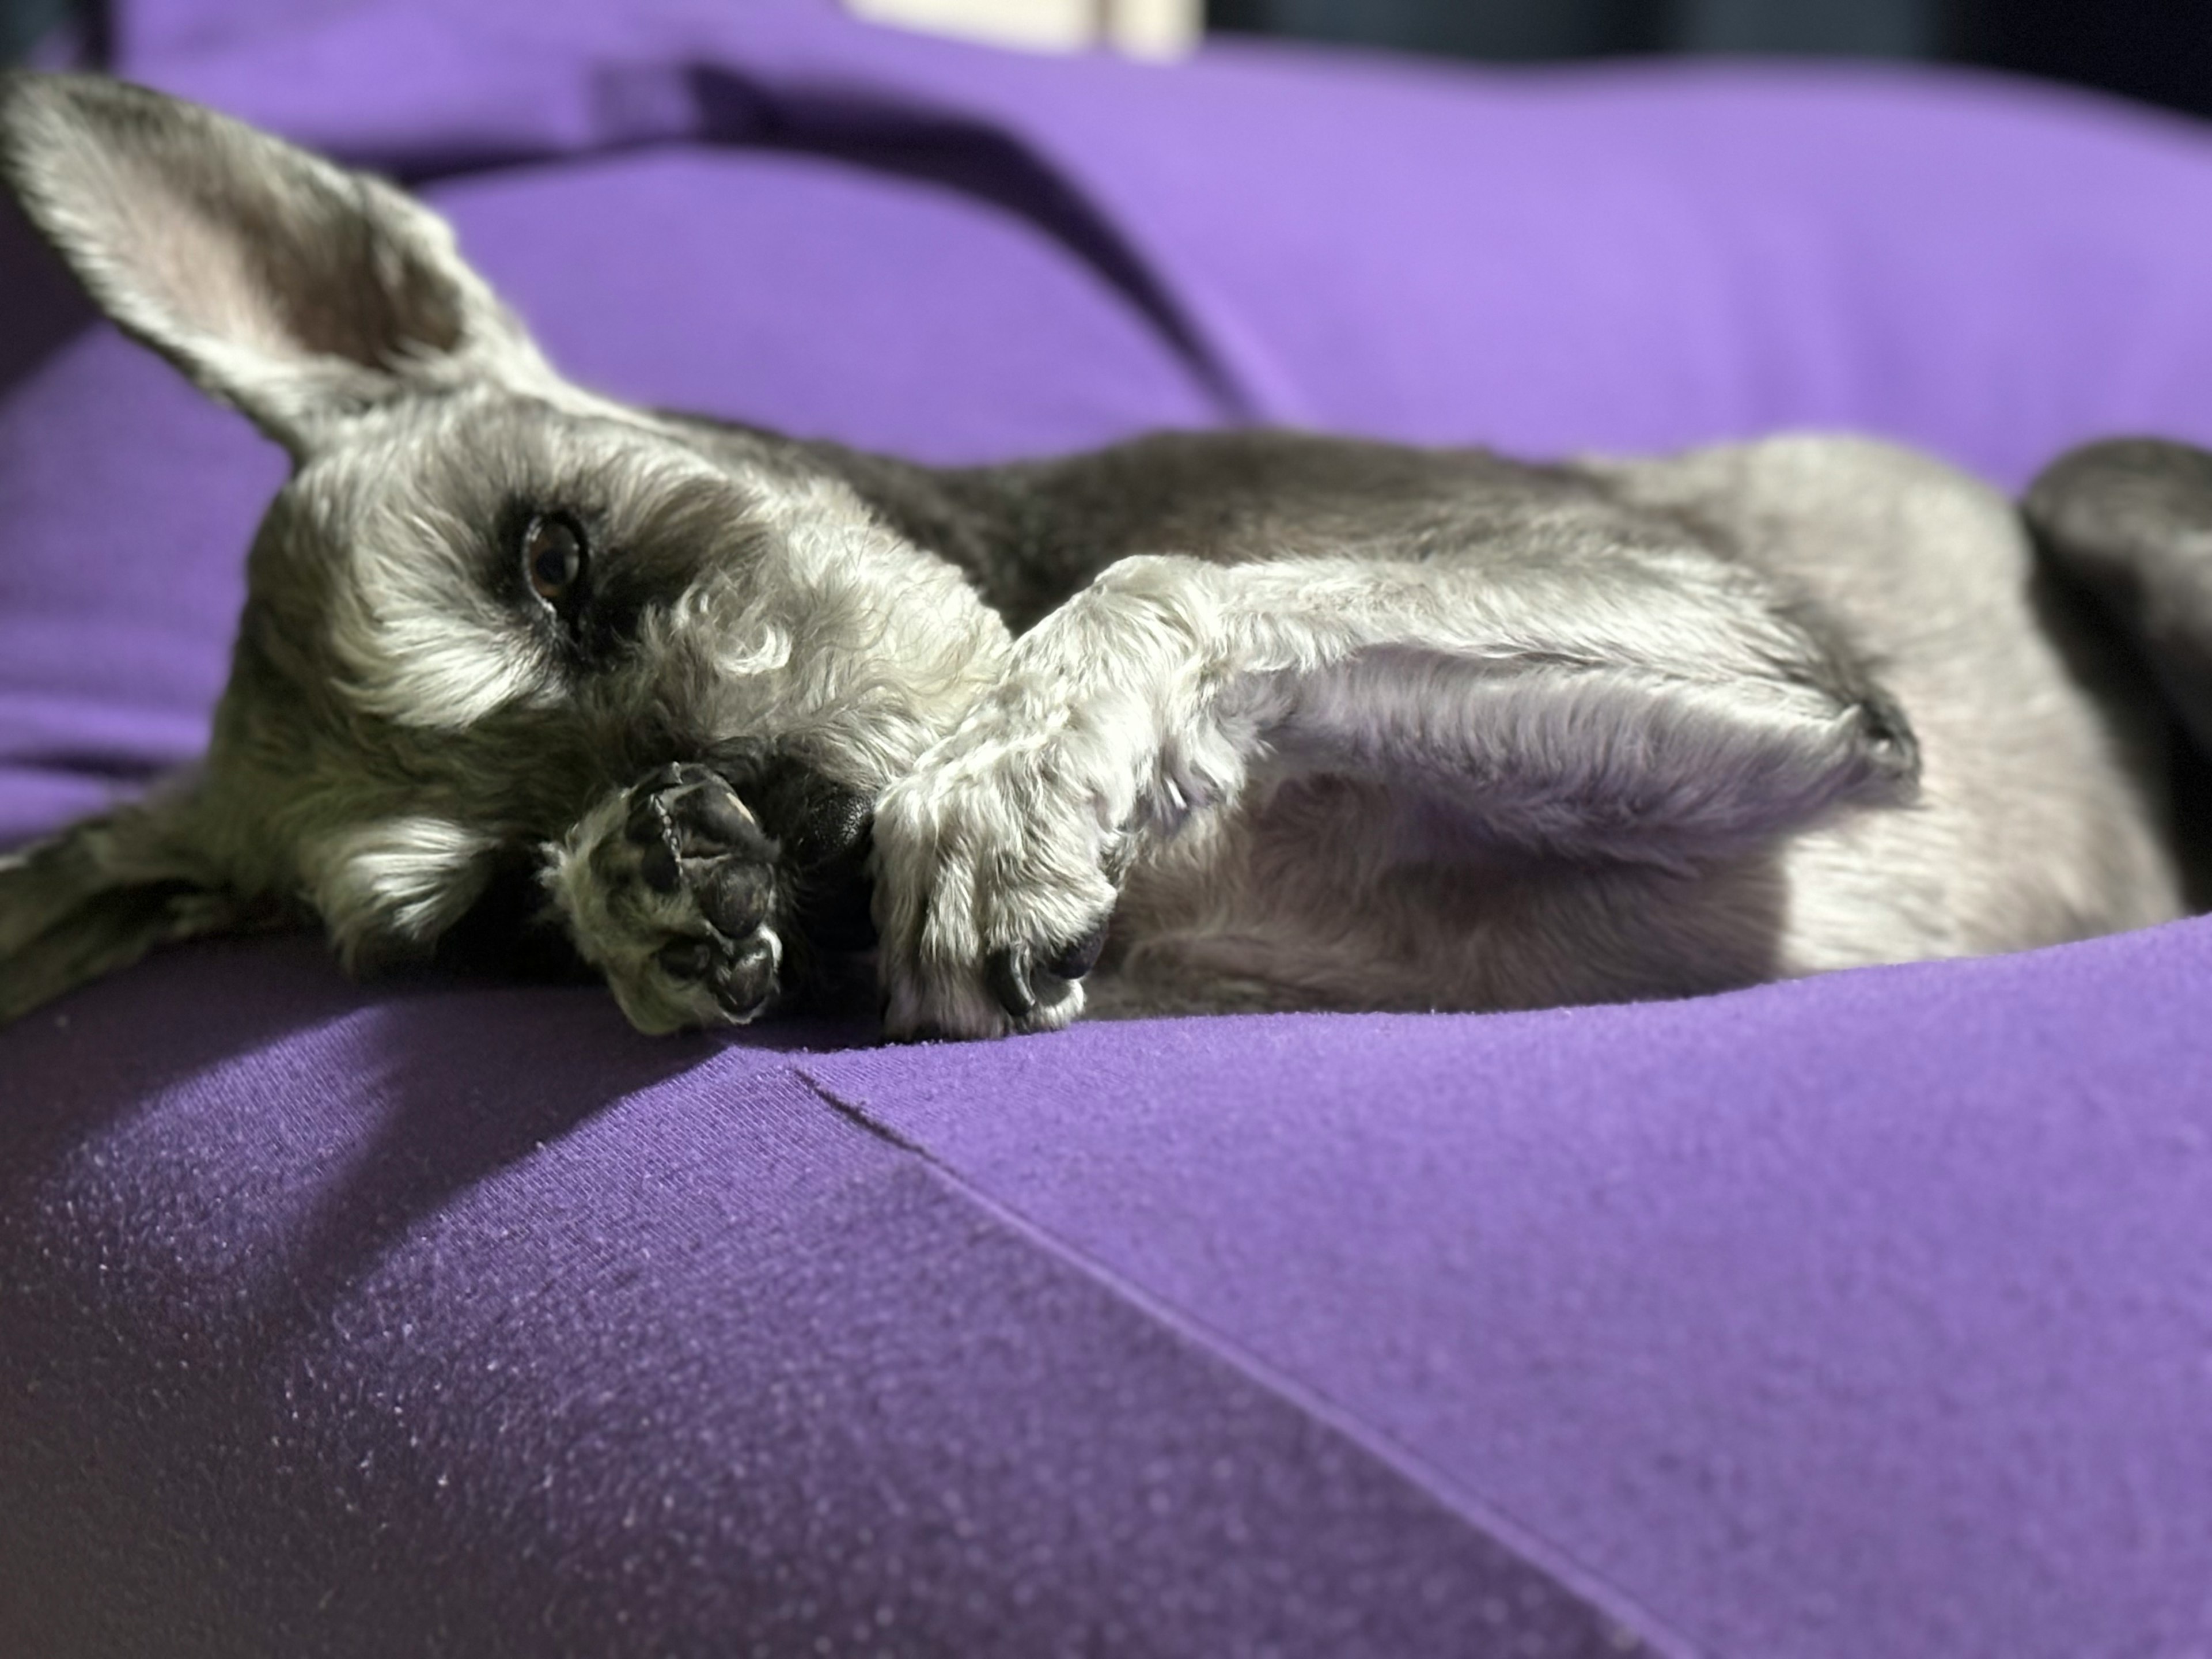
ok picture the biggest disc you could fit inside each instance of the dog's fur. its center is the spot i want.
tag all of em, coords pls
(1312, 723)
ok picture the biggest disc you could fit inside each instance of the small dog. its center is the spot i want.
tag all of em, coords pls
(1241, 720)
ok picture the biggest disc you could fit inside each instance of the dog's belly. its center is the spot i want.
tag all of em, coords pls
(1334, 894)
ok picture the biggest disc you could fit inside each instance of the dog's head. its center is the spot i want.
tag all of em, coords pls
(485, 602)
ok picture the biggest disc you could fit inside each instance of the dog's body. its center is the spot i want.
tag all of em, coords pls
(1311, 723)
(1407, 729)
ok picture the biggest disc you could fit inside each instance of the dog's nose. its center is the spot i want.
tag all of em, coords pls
(823, 827)
(839, 896)
(830, 827)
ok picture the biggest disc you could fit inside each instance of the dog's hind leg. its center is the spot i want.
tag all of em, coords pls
(1604, 701)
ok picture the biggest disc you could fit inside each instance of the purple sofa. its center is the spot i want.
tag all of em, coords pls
(1869, 1316)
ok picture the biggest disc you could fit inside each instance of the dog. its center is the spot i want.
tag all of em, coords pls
(1239, 720)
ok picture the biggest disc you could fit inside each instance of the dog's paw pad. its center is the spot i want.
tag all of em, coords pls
(688, 899)
(735, 894)
(691, 813)
(738, 974)
(686, 959)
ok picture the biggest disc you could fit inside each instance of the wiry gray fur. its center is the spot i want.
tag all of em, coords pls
(1251, 721)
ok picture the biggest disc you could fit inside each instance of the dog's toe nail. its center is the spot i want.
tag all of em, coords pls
(1073, 961)
(1008, 976)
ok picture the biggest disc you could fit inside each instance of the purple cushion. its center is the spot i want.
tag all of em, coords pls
(1861, 1316)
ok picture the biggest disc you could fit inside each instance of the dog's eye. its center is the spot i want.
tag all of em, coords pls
(553, 557)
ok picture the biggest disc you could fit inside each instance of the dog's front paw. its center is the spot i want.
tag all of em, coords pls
(671, 892)
(992, 898)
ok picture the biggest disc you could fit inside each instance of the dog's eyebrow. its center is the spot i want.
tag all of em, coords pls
(421, 637)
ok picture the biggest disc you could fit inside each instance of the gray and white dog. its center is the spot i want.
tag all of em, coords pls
(1200, 722)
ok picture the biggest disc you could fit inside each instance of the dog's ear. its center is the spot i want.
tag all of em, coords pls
(100, 895)
(298, 291)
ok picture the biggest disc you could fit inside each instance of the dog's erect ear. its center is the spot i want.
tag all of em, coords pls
(295, 289)
(100, 896)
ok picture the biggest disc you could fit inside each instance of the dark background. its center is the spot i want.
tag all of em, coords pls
(24, 23)
(2159, 50)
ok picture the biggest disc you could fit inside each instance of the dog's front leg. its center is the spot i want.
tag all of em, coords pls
(1633, 703)
(996, 860)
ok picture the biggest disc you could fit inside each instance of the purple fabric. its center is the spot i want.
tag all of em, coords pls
(1868, 1315)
